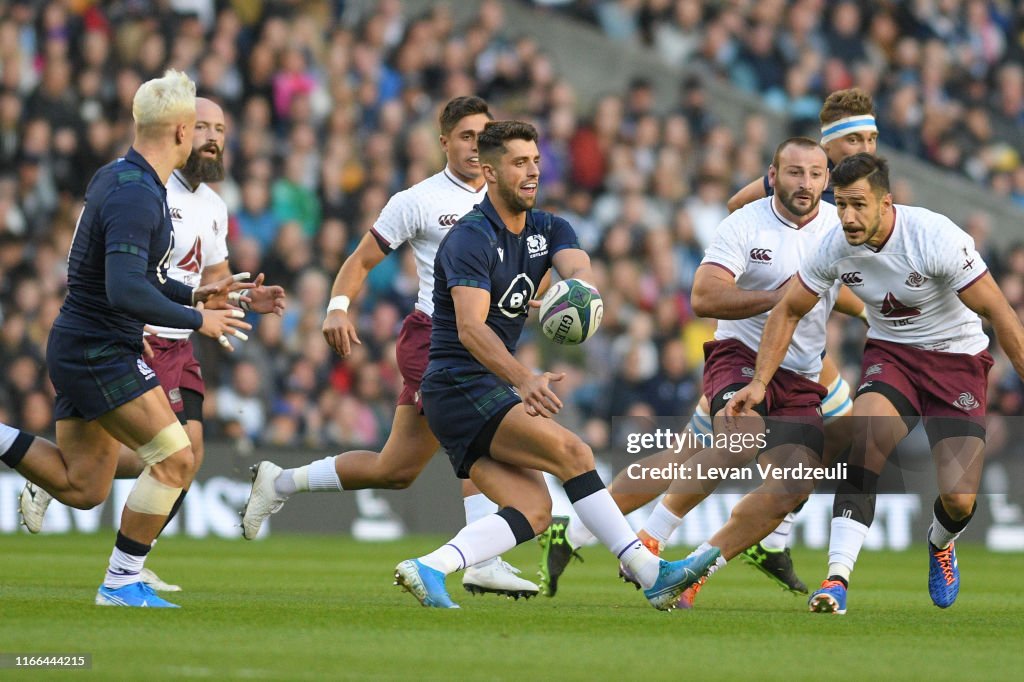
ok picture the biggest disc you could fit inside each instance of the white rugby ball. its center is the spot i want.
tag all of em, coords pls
(571, 311)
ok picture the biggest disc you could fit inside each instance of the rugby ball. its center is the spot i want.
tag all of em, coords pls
(571, 312)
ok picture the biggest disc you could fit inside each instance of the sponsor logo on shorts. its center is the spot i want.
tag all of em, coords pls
(873, 370)
(747, 371)
(915, 280)
(761, 256)
(174, 395)
(966, 402)
(852, 279)
(728, 394)
(145, 370)
(866, 384)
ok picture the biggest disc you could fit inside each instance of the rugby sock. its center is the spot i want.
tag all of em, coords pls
(321, 476)
(477, 507)
(14, 443)
(315, 477)
(578, 534)
(844, 543)
(125, 562)
(662, 523)
(944, 529)
(480, 541)
(596, 508)
(777, 540)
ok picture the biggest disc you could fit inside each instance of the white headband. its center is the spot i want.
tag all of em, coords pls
(850, 124)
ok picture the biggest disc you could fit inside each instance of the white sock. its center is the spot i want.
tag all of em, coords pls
(321, 476)
(7, 437)
(123, 569)
(939, 535)
(578, 534)
(844, 543)
(779, 538)
(599, 513)
(291, 481)
(720, 562)
(477, 507)
(662, 523)
(477, 542)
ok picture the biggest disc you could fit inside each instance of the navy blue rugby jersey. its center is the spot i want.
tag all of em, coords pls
(125, 223)
(481, 252)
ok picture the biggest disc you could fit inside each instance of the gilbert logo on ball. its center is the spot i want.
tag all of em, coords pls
(571, 312)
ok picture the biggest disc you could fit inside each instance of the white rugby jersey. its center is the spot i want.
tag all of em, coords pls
(200, 221)
(763, 250)
(909, 285)
(422, 216)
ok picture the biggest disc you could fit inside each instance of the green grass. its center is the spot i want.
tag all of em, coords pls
(324, 607)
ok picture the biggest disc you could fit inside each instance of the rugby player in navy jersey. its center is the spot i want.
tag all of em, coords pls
(106, 393)
(491, 413)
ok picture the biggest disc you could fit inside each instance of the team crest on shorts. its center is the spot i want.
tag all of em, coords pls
(747, 371)
(145, 370)
(966, 402)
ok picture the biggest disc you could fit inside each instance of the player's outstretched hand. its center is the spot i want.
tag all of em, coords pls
(340, 333)
(260, 299)
(215, 295)
(220, 324)
(538, 398)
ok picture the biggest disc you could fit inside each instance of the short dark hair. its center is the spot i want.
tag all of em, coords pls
(863, 165)
(799, 141)
(491, 142)
(459, 108)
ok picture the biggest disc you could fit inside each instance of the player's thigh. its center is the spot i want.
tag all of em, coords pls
(411, 443)
(878, 429)
(838, 437)
(138, 421)
(511, 486)
(538, 443)
(89, 452)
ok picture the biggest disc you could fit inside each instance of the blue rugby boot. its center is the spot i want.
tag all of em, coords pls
(943, 575)
(675, 576)
(138, 595)
(829, 598)
(424, 583)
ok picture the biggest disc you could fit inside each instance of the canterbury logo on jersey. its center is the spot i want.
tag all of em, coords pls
(175, 213)
(448, 219)
(193, 260)
(852, 279)
(761, 255)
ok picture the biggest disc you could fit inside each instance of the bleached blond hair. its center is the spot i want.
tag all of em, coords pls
(162, 101)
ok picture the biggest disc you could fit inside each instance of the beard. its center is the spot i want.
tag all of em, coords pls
(513, 200)
(787, 200)
(199, 168)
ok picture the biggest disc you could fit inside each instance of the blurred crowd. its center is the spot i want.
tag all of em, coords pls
(947, 75)
(331, 111)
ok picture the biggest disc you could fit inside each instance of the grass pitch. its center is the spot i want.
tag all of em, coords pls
(298, 608)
